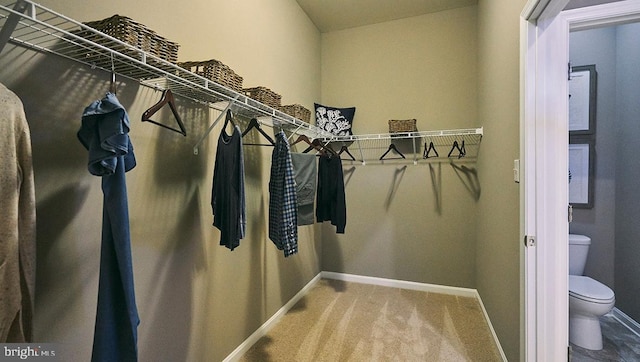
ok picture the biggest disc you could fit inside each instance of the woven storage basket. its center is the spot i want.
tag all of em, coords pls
(216, 71)
(264, 95)
(402, 125)
(297, 111)
(131, 32)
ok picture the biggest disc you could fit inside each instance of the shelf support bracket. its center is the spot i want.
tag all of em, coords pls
(361, 153)
(222, 114)
(415, 154)
(12, 21)
(294, 132)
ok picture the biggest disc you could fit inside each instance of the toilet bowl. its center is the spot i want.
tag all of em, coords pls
(588, 301)
(588, 298)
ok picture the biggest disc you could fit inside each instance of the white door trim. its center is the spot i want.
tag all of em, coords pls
(544, 153)
(544, 141)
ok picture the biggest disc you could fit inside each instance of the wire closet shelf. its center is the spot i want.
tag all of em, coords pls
(28, 24)
(413, 146)
(36, 27)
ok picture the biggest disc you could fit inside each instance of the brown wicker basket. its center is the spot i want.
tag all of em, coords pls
(264, 95)
(216, 71)
(131, 32)
(297, 111)
(402, 125)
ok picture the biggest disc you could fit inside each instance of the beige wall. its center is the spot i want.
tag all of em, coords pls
(197, 300)
(452, 69)
(421, 67)
(406, 222)
(498, 248)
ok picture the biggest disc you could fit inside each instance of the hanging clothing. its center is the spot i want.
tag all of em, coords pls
(330, 198)
(283, 215)
(305, 173)
(227, 192)
(104, 133)
(17, 222)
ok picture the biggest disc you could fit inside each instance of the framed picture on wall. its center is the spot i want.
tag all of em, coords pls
(581, 172)
(582, 100)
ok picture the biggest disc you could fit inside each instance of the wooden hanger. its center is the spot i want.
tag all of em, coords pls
(327, 148)
(316, 144)
(253, 123)
(302, 138)
(392, 147)
(324, 150)
(167, 97)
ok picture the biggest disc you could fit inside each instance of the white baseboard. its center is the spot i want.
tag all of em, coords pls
(403, 284)
(493, 331)
(264, 329)
(627, 321)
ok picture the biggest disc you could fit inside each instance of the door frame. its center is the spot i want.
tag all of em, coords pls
(544, 39)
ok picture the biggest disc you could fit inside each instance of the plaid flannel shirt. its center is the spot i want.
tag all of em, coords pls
(283, 204)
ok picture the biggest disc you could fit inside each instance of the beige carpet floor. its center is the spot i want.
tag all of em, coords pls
(344, 321)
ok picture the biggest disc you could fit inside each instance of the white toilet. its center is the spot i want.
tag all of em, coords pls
(588, 298)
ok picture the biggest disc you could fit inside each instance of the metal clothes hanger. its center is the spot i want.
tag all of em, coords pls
(253, 123)
(166, 98)
(113, 86)
(392, 146)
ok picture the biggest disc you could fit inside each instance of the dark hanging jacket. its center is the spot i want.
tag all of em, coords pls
(330, 198)
(227, 193)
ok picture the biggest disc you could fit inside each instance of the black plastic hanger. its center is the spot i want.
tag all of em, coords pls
(426, 152)
(254, 124)
(344, 148)
(228, 118)
(392, 147)
(461, 150)
(167, 97)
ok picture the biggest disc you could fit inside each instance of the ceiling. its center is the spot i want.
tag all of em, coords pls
(331, 15)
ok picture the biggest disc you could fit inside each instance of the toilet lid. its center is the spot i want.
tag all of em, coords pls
(585, 288)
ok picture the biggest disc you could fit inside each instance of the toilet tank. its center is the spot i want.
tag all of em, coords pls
(578, 252)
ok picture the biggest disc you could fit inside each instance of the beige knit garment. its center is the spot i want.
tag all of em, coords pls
(17, 222)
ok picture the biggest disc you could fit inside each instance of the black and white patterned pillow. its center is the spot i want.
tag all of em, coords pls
(334, 120)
